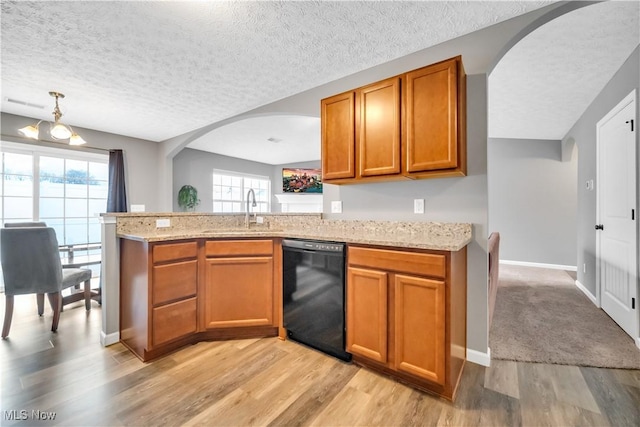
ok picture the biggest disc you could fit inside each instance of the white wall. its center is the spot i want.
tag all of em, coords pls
(533, 200)
(195, 167)
(584, 133)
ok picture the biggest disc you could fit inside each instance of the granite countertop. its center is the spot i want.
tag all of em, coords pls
(434, 236)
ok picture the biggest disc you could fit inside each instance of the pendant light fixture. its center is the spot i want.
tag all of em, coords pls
(58, 130)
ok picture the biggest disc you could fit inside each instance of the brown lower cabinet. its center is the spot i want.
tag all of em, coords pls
(406, 309)
(180, 292)
(239, 284)
(406, 315)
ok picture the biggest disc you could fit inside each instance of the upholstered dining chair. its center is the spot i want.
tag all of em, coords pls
(39, 297)
(31, 264)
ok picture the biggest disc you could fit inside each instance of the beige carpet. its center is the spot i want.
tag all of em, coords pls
(541, 316)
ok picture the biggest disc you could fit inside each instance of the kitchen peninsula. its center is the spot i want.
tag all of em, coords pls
(208, 277)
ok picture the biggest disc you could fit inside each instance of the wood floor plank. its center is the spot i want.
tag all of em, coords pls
(385, 406)
(60, 394)
(502, 377)
(344, 410)
(421, 409)
(570, 387)
(168, 403)
(537, 396)
(620, 406)
(270, 391)
(271, 382)
(317, 396)
(627, 376)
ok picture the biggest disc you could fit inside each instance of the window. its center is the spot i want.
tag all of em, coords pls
(16, 188)
(230, 191)
(67, 190)
(72, 195)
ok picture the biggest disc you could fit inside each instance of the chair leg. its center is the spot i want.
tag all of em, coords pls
(40, 299)
(55, 299)
(8, 314)
(87, 294)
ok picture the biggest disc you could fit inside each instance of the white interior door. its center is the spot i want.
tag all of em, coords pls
(616, 239)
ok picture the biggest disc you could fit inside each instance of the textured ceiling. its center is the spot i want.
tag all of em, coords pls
(544, 84)
(155, 70)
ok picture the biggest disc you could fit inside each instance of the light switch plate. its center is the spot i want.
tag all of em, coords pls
(164, 222)
(259, 220)
(418, 206)
(336, 206)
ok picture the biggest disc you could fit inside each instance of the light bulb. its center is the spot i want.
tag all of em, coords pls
(60, 131)
(30, 131)
(76, 140)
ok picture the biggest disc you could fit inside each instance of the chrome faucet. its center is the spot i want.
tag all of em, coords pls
(250, 195)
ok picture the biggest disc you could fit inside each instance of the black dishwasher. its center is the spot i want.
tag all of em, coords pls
(314, 294)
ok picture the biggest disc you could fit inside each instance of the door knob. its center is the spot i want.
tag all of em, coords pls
(599, 227)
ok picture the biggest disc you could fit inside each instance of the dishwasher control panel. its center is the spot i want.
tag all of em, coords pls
(314, 245)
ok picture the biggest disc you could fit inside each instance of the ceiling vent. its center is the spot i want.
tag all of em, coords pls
(26, 104)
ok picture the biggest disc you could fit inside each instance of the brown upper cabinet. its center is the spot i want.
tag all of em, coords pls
(338, 136)
(408, 126)
(378, 133)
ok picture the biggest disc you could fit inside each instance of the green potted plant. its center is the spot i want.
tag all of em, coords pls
(188, 198)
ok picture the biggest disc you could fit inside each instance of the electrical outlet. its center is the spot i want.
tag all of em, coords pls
(336, 206)
(164, 222)
(259, 220)
(137, 208)
(584, 268)
(418, 206)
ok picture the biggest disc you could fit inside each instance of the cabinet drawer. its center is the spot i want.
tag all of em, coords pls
(228, 248)
(174, 281)
(175, 251)
(173, 321)
(407, 262)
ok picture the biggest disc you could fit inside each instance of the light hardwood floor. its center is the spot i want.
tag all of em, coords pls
(271, 382)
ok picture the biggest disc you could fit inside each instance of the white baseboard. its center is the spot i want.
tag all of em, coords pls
(478, 357)
(107, 340)
(589, 295)
(540, 265)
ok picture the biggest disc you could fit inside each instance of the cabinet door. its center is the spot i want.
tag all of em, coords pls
(379, 131)
(338, 136)
(420, 327)
(367, 313)
(239, 292)
(432, 117)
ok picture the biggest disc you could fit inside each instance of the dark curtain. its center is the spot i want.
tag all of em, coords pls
(117, 198)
